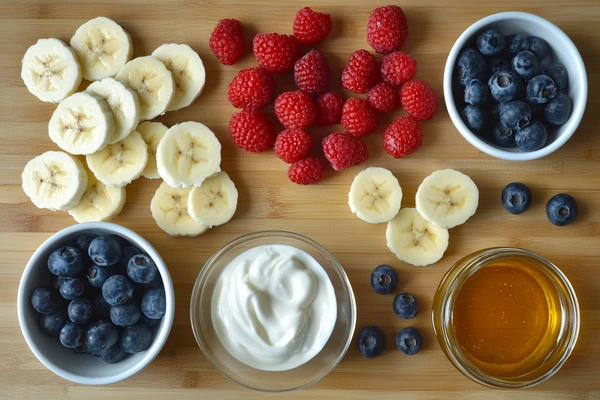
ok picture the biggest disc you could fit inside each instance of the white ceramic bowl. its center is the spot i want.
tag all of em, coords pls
(85, 369)
(564, 51)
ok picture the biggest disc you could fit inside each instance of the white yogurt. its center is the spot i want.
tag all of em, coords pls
(274, 307)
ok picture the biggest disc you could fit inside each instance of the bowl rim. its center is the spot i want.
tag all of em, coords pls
(577, 112)
(270, 233)
(162, 333)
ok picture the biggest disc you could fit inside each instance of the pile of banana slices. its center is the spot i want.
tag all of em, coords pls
(417, 236)
(109, 123)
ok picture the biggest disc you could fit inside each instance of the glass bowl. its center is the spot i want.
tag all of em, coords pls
(272, 381)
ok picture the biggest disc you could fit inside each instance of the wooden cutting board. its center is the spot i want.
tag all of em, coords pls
(269, 201)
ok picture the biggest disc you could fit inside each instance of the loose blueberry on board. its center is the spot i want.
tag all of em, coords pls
(111, 355)
(503, 136)
(474, 117)
(476, 92)
(384, 279)
(83, 242)
(371, 341)
(409, 341)
(53, 323)
(117, 290)
(125, 314)
(72, 288)
(491, 42)
(516, 197)
(66, 261)
(101, 336)
(526, 65)
(516, 43)
(58, 281)
(531, 138)
(515, 115)
(498, 64)
(46, 300)
(105, 251)
(80, 310)
(135, 338)
(539, 47)
(96, 275)
(71, 335)
(540, 89)
(406, 306)
(470, 65)
(141, 269)
(101, 307)
(154, 303)
(561, 209)
(559, 75)
(558, 110)
(505, 86)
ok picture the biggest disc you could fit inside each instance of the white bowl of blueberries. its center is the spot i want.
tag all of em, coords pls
(96, 303)
(515, 86)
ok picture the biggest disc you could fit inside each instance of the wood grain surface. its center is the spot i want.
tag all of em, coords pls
(269, 201)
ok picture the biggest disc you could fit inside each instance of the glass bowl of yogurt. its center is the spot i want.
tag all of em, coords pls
(273, 311)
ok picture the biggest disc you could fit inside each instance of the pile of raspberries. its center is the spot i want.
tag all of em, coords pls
(386, 84)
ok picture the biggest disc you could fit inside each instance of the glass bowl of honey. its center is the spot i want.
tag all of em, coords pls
(506, 317)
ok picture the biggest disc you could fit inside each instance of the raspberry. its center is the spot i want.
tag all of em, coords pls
(419, 100)
(227, 41)
(358, 117)
(307, 171)
(344, 151)
(312, 73)
(402, 137)
(292, 145)
(311, 26)
(295, 109)
(397, 68)
(329, 108)
(252, 87)
(387, 29)
(361, 73)
(251, 130)
(275, 52)
(383, 97)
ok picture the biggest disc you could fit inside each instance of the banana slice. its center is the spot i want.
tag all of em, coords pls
(99, 202)
(188, 73)
(414, 240)
(103, 48)
(447, 198)
(54, 180)
(50, 70)
(81, 124)
(214, 202)
(375, 195)
(188, 154)
(124, 106)
(153, 83)
(120, 163)
(169, 208)
(152, 133)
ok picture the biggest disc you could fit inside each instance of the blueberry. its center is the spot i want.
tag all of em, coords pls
(104, 251)
(154, 303)
(515, 115)
(470, 65)
(135, 338)
(526, 65)
(66, 261)
(409, 341)
(82, 349)
(558, 110)
(117, 290)
(405, 306)
(495, 112)
(58, 281)
(505, 86)
(101, 307)
(72, 288)
(371, 341)
(46, 300)
(559, 75)
(539, 47)
(476, 92)
(101, 336)
(491, 42)
(111, 355)
(498, 64)
(80, 310)
(71, 335)
(516, 197)
(503, 136)
(516, 43)
(149, 322)
(561, 209)
(540, 89)
(96, 275)
(384, 279)
(474, 117)
(53, 323)
(154, 283)
(83, 242)
(125, 314)
(141, 269)
(532, 137)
